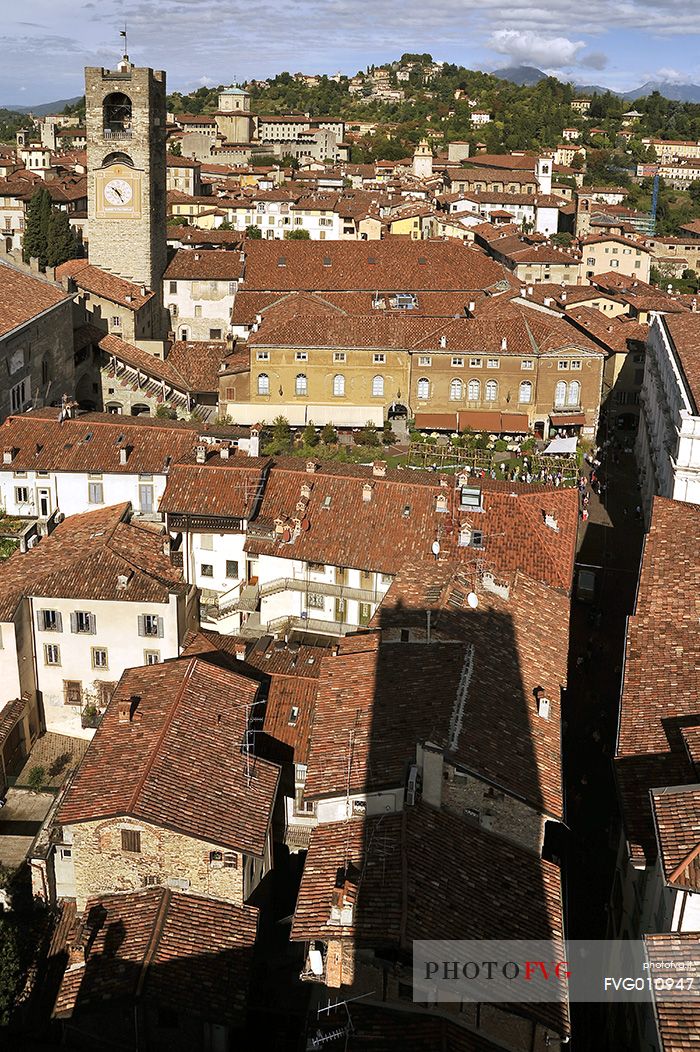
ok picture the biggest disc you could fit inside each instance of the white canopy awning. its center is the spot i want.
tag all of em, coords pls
(562, 446)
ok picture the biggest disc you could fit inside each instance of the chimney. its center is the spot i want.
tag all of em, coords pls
(8, 454)
(128, 297)
(523, 292)
(530, 290)
(239, 650)
(254, 441)
(343, 902)
(167, 544)
(563, 297)
(444, 481)
(367, 492)
(201, 454)
(443, 341)
(124, 452)
(379, 468)
(144, 290)
(548, 301)
(550, 520)
(225, 452)
(306, 488)
(311, 467)
(441, 502)
(123, 580)
(197, 257)
(504, 344)
(472, 308)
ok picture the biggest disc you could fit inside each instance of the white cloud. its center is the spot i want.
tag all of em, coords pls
(529, 47)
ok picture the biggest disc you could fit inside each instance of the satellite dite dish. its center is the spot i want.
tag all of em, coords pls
(436, 548)
(473, 600)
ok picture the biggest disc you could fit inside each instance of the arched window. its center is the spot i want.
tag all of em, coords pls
(117, 158)
(300, 384)
(560, 393)
(456, 390)
(474, 391)
(173, 310)
(574, 397)
(423, 389)
(378, 387)
(339, 385)
(184, 333)
(525, 393)
(116, 116)
(491, 390)
(263, 384)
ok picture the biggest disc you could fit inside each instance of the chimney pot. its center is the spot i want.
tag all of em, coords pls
(379, 468)
(311, 467)
(201, 454)
(367, 492)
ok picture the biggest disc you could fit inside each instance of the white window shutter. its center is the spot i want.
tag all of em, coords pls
(40, 620)
(142, 625)
(59, 622)
(73, 622)
(160, 627)
(93, 624)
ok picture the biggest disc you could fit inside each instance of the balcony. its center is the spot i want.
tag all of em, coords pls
(116, 133)
(340, 591)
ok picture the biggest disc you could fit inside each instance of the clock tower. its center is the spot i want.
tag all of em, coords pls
(125, 120)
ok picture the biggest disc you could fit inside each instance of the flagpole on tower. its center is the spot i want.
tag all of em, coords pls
(123, 34)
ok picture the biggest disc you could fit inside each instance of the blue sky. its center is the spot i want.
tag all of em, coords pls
(617, 43)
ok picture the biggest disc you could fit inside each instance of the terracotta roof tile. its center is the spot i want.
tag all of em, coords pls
(179, 763)
(83, 559)
(23, 297)
(184, 952)
(204, 264)
(662, 663)
(677, 1019)
(91, 443)
(397, 265)
(100, 282)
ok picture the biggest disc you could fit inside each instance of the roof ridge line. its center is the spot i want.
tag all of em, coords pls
(154, 939)
(161, 737)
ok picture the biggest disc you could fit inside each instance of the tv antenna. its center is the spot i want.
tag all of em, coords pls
(324, 1037)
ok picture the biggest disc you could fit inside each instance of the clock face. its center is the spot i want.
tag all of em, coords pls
(118, 192)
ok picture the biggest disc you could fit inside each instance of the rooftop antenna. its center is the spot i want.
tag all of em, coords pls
(321, 1037)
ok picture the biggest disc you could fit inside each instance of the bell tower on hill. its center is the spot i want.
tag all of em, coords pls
(125, 121)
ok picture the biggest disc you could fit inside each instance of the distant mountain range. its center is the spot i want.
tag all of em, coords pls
(43, 108)
(527, 76)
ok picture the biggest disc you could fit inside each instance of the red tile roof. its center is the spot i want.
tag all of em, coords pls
(101, 283)
(484, 887)
(198, 362)
(183, 952)
(401, 522)
(677, 1018)
(662, 663)
(92, 443)
(519, 642)
(204, 264)
(227, 488)
(83, 559)
(392, 265)
(179, 763)
(684, 330)
(24, 297)
(677, 819)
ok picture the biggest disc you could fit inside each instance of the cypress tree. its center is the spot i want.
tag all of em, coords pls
(60, 243)
(36, 227)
